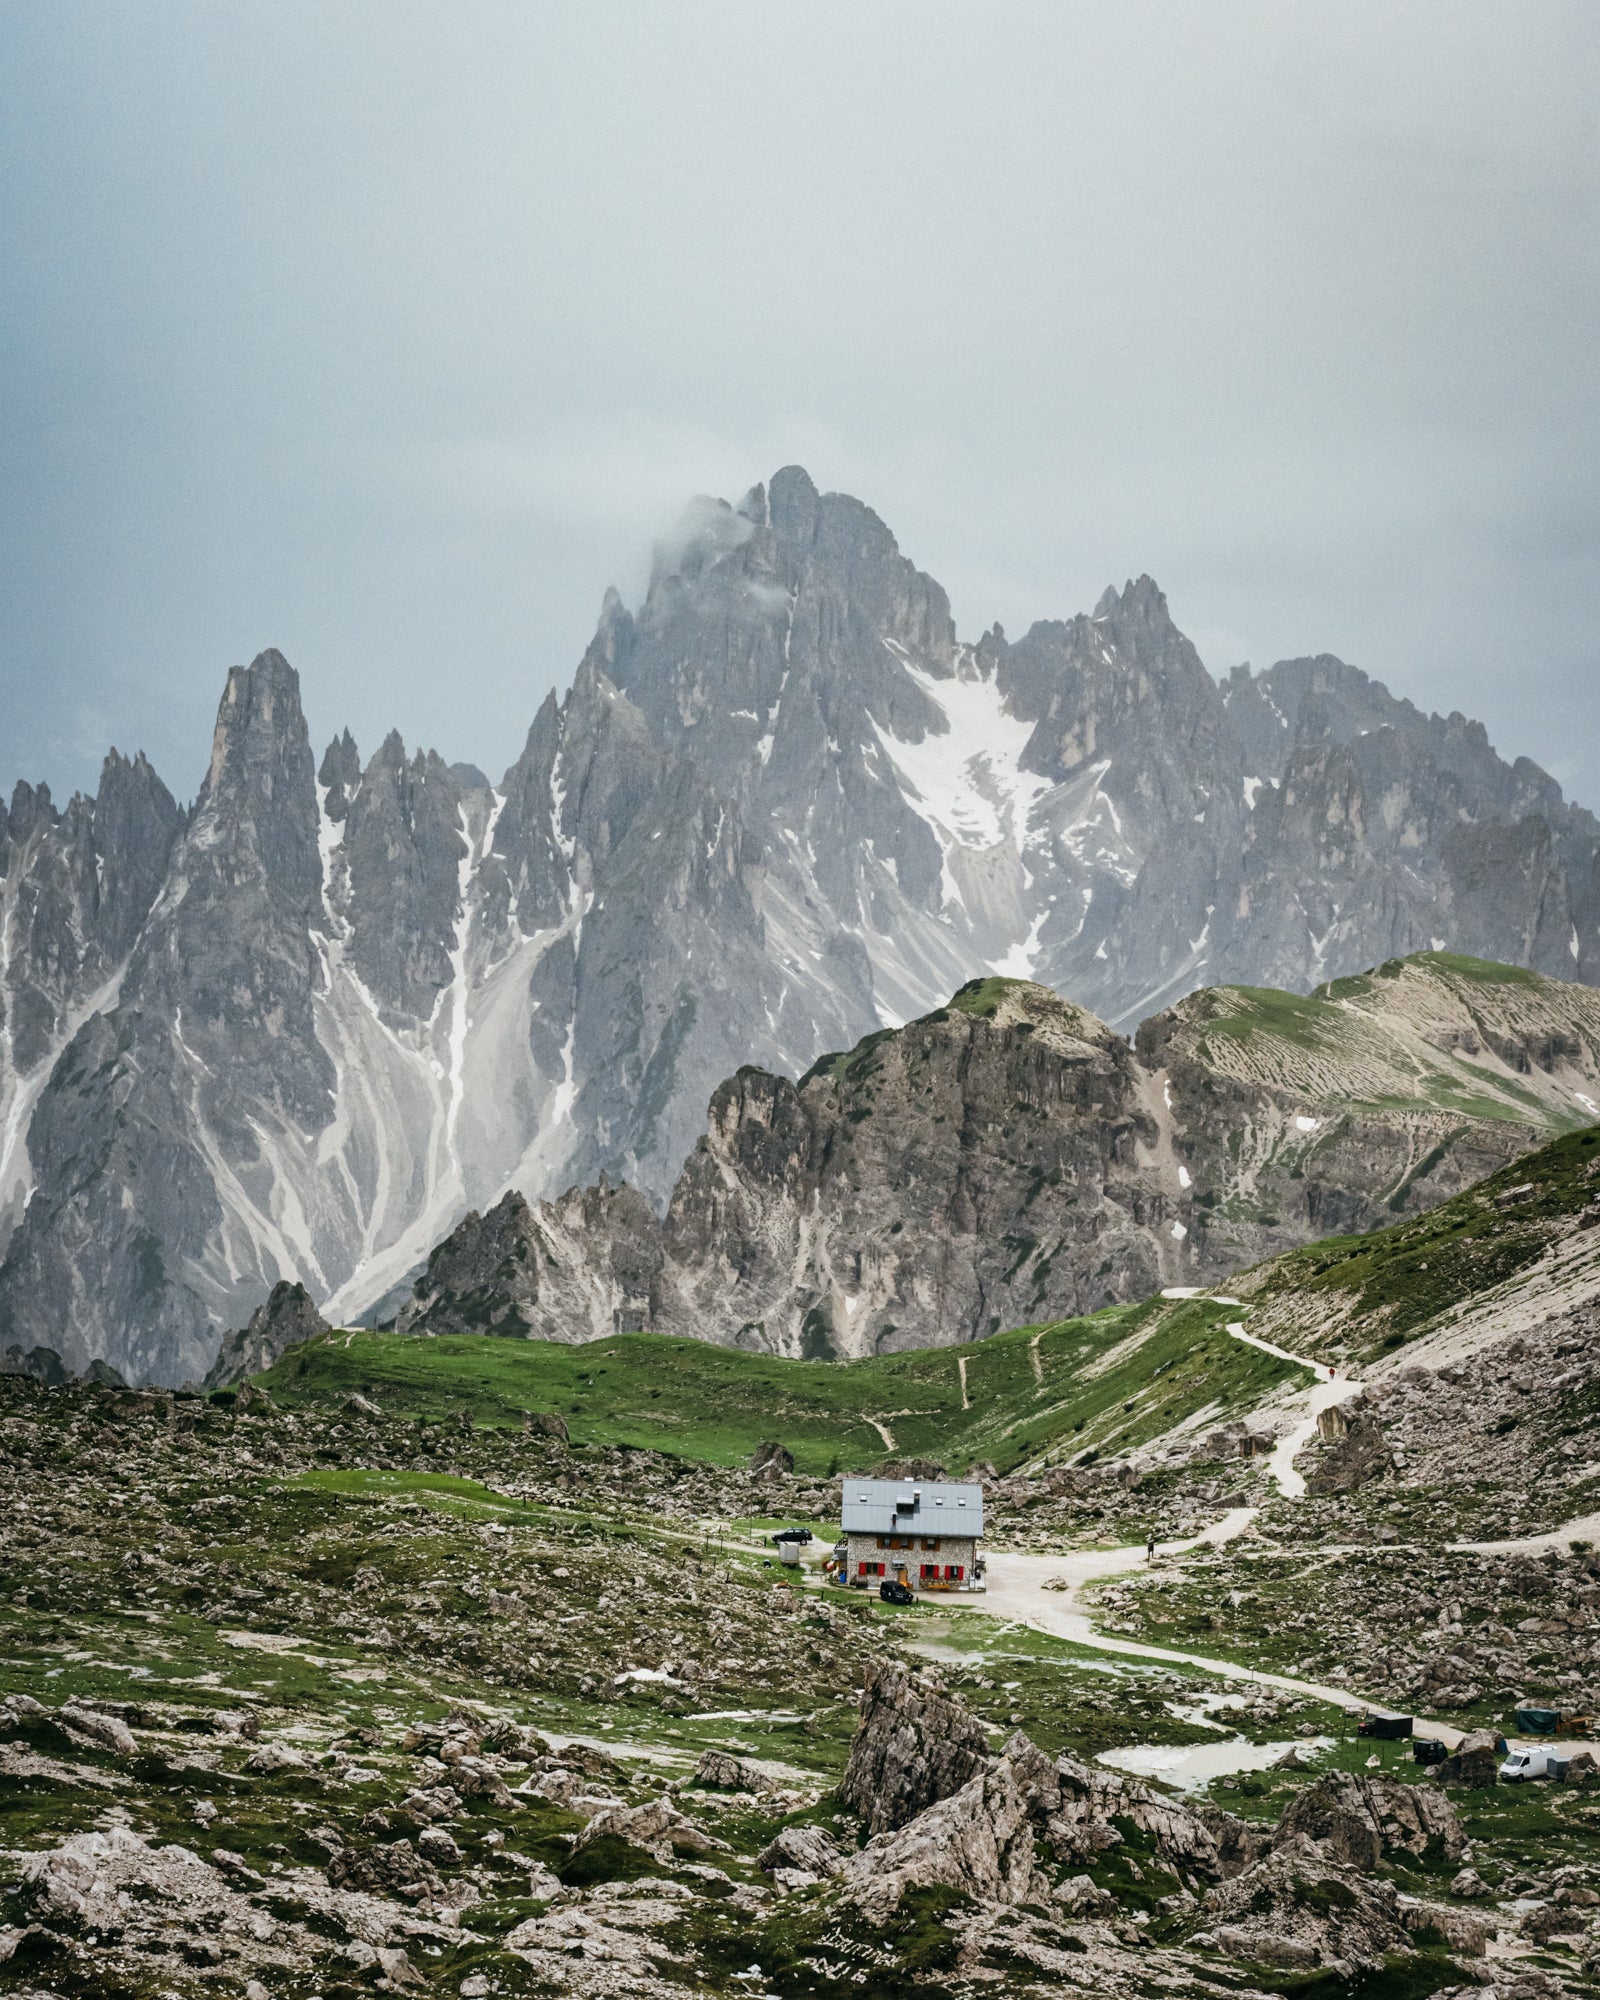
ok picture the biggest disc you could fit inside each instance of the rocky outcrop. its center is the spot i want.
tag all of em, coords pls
(977, 1841)
(1314, 1899)
(1297, 1909)
(392, 1867)
(618, 1941)
(913, 1746)
(287, 1318)
(1357, 1820)
(1009, 1159)
(1354, 1449)
(1078, 1809)
(127, 1900)
(588, 1262)
(943, 1811)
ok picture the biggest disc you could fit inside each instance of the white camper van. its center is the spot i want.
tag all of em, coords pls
(1523, 1764)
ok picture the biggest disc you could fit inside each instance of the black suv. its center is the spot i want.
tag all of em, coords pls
(895, 1593)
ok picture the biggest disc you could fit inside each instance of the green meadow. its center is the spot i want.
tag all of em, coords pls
(1107, 1381)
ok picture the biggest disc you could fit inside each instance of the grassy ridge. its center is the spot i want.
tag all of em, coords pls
(1104, 1383)
(1108, 1381)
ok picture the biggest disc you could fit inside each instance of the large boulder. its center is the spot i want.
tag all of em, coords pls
(105, 1732)
(1356, 1820)
(913, 1746)
(799, 1856)
(1467, 1933)
(657, 1826)
(719, 1771)
(1475, 1761)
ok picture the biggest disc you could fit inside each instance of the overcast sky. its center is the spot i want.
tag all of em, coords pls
(391, 335)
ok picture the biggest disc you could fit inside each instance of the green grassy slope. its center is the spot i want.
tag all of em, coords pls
(1106, 1382)
(1400, 1281)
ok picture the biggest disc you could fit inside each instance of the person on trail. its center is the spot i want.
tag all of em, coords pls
(1150, 1546)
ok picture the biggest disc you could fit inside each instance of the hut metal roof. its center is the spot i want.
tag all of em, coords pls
(905, 1506)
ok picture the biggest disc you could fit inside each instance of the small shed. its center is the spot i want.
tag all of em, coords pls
(924, 1533)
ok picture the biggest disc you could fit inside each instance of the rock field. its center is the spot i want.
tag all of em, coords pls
(303, 1703)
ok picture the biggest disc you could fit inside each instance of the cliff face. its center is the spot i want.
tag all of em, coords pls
(287, 1318)
(1009, 1158)
(303, 1030)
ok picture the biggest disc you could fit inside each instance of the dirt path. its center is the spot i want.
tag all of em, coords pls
(961, 1370)
(1585, 1529)
(883, 1431)
(1017, 1590)
(1017, 1584)
(1323, 1394)
(1044, 1592)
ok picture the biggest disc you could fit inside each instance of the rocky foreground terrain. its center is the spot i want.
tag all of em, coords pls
(1009, 1159)
(332, 1701)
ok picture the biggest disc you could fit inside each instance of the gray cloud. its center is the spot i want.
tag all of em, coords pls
(391, 338)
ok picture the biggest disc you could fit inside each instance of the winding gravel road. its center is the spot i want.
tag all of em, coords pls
(1044, 1592)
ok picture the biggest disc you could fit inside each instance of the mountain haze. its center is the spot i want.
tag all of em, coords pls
(297, 1032)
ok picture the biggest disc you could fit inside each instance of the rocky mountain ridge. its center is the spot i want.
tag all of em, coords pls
(297, 1032)
(1010, 1159)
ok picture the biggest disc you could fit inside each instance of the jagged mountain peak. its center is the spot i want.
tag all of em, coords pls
(779, 809)
(260, 726)
(792, 500)
(31, 808)
(339, 774)
(1140, 600)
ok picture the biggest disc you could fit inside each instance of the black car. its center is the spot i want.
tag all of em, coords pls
(895, 1593)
